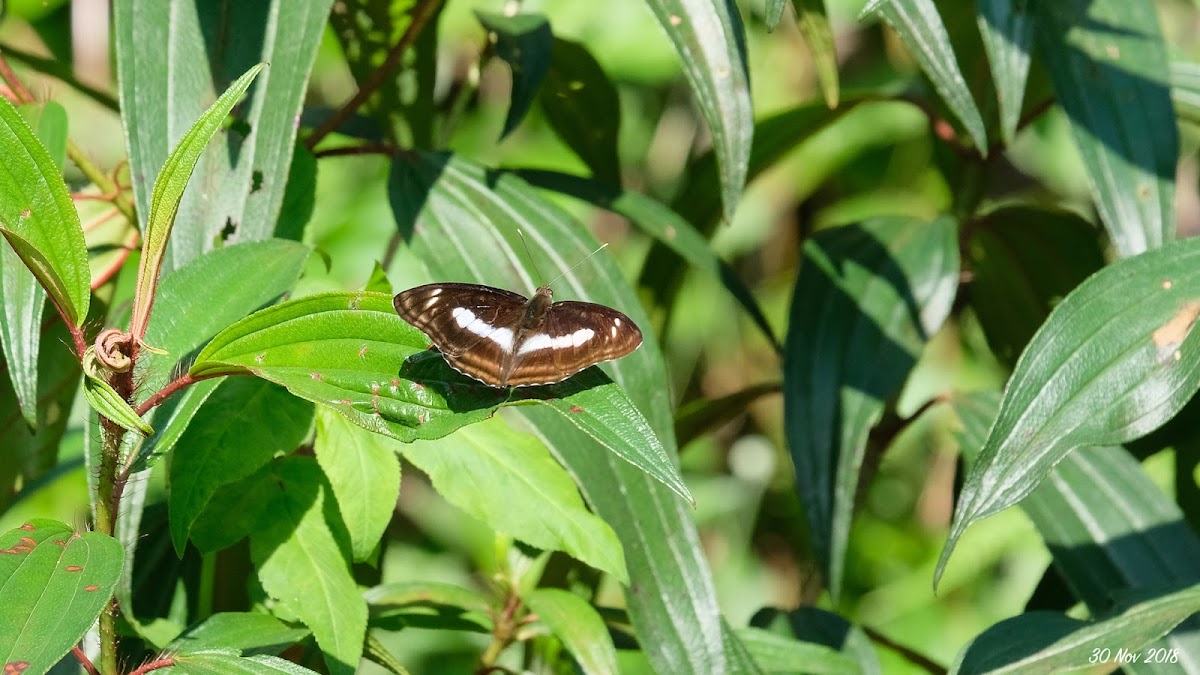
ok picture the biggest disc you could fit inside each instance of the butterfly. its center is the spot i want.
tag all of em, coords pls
(504, 339)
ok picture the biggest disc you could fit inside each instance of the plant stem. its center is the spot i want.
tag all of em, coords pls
(421, 14)
(106, 520)
(59, 71)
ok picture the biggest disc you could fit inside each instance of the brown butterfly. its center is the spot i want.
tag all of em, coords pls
(504, 339)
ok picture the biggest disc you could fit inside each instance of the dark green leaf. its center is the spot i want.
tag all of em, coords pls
(55, 583)
(524, 42)
(1024, 260)
(814, 26)
(172, 62)
(812, 626)
(1007, 30)
(581, 104)
(302, 563)
(1115, 359)
(509, 481)
(239, 429)
(35, 206)
(168, 192)
(364, 474)
(249, 632)
(880, 288)
(1108, 62)
(710, 40)
(1051, 642)
(573, 621)
(428, 604)
(780, 654)
(227, 662)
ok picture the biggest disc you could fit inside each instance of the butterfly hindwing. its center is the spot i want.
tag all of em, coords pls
(574, 336)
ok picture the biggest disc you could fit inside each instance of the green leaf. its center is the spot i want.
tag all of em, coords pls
(1108, 526)
(577, 624)
(710, 40)
(814, 25)
(702, 415)
(227, 662)
(36, 207)
(1007, 30)
(813, 627)
(168, 192)
(780, 654)
(234, 511)
(240, 428)
(1024, 260)
(173, 418)
(1051, 642)
(881, 288)
(198, 300)
(20, 329)
(106, 401)
(428, 604)
(352, 353)
(1114, 360)
(920, 26)
(364, 474)
(660, 222)
(508, 480)
(301, 563)
(172, 63)
(1111, 85)
(1185, 89)
(55, 583)
(524, 42)
(248, 632)
(378, 282)
(49, 122)
(581, 105)
(662, 552)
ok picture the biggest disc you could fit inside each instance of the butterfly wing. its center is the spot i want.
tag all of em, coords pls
(574, 336)
(473, 326)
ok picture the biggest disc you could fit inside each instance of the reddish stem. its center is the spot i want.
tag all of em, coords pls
(10, 78)
(84, 661)
(153, 665)
(116, 265)
(420, 16)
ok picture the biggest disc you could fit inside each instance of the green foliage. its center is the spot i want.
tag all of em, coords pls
(968, 225)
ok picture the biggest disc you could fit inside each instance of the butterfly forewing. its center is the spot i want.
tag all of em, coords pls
(505, 340)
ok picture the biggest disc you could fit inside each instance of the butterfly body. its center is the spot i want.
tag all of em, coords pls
(503, 339)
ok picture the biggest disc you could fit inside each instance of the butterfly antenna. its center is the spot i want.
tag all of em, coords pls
(602, 247)
(529, 254)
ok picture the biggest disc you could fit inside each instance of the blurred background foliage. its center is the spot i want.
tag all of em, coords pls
(879, 157)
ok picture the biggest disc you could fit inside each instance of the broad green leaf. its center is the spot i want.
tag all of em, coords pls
(43, 225)
(106, 401)
(674, 610)
(882, 288)
(200, 299)
(920, 26)
(1185, 89)
(524, 42)
(173, 418)
(811, 626)
(1114, 360)
(660, 222)
(428, 604)
(813, 21)
(249, 632)
(711, 43)
(1108, 526)
(1052, 642)
(575, 622)
(168, 192)
(234, 512)
(21, 296)
(55, 583)
(172, 62)
(465, 228)
(49, 122)
(780, 654)
(364, 474)
(239, 429)
(509, 481)
(378, 282)
(581, 105)
(301, 563)
(352, 353)
(1007, 30)
(227, 662)
(1024, 260)
(1111, 85)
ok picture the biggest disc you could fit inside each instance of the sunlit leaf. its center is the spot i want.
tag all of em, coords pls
(364, 474)
(581, 104)
(575, 622)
